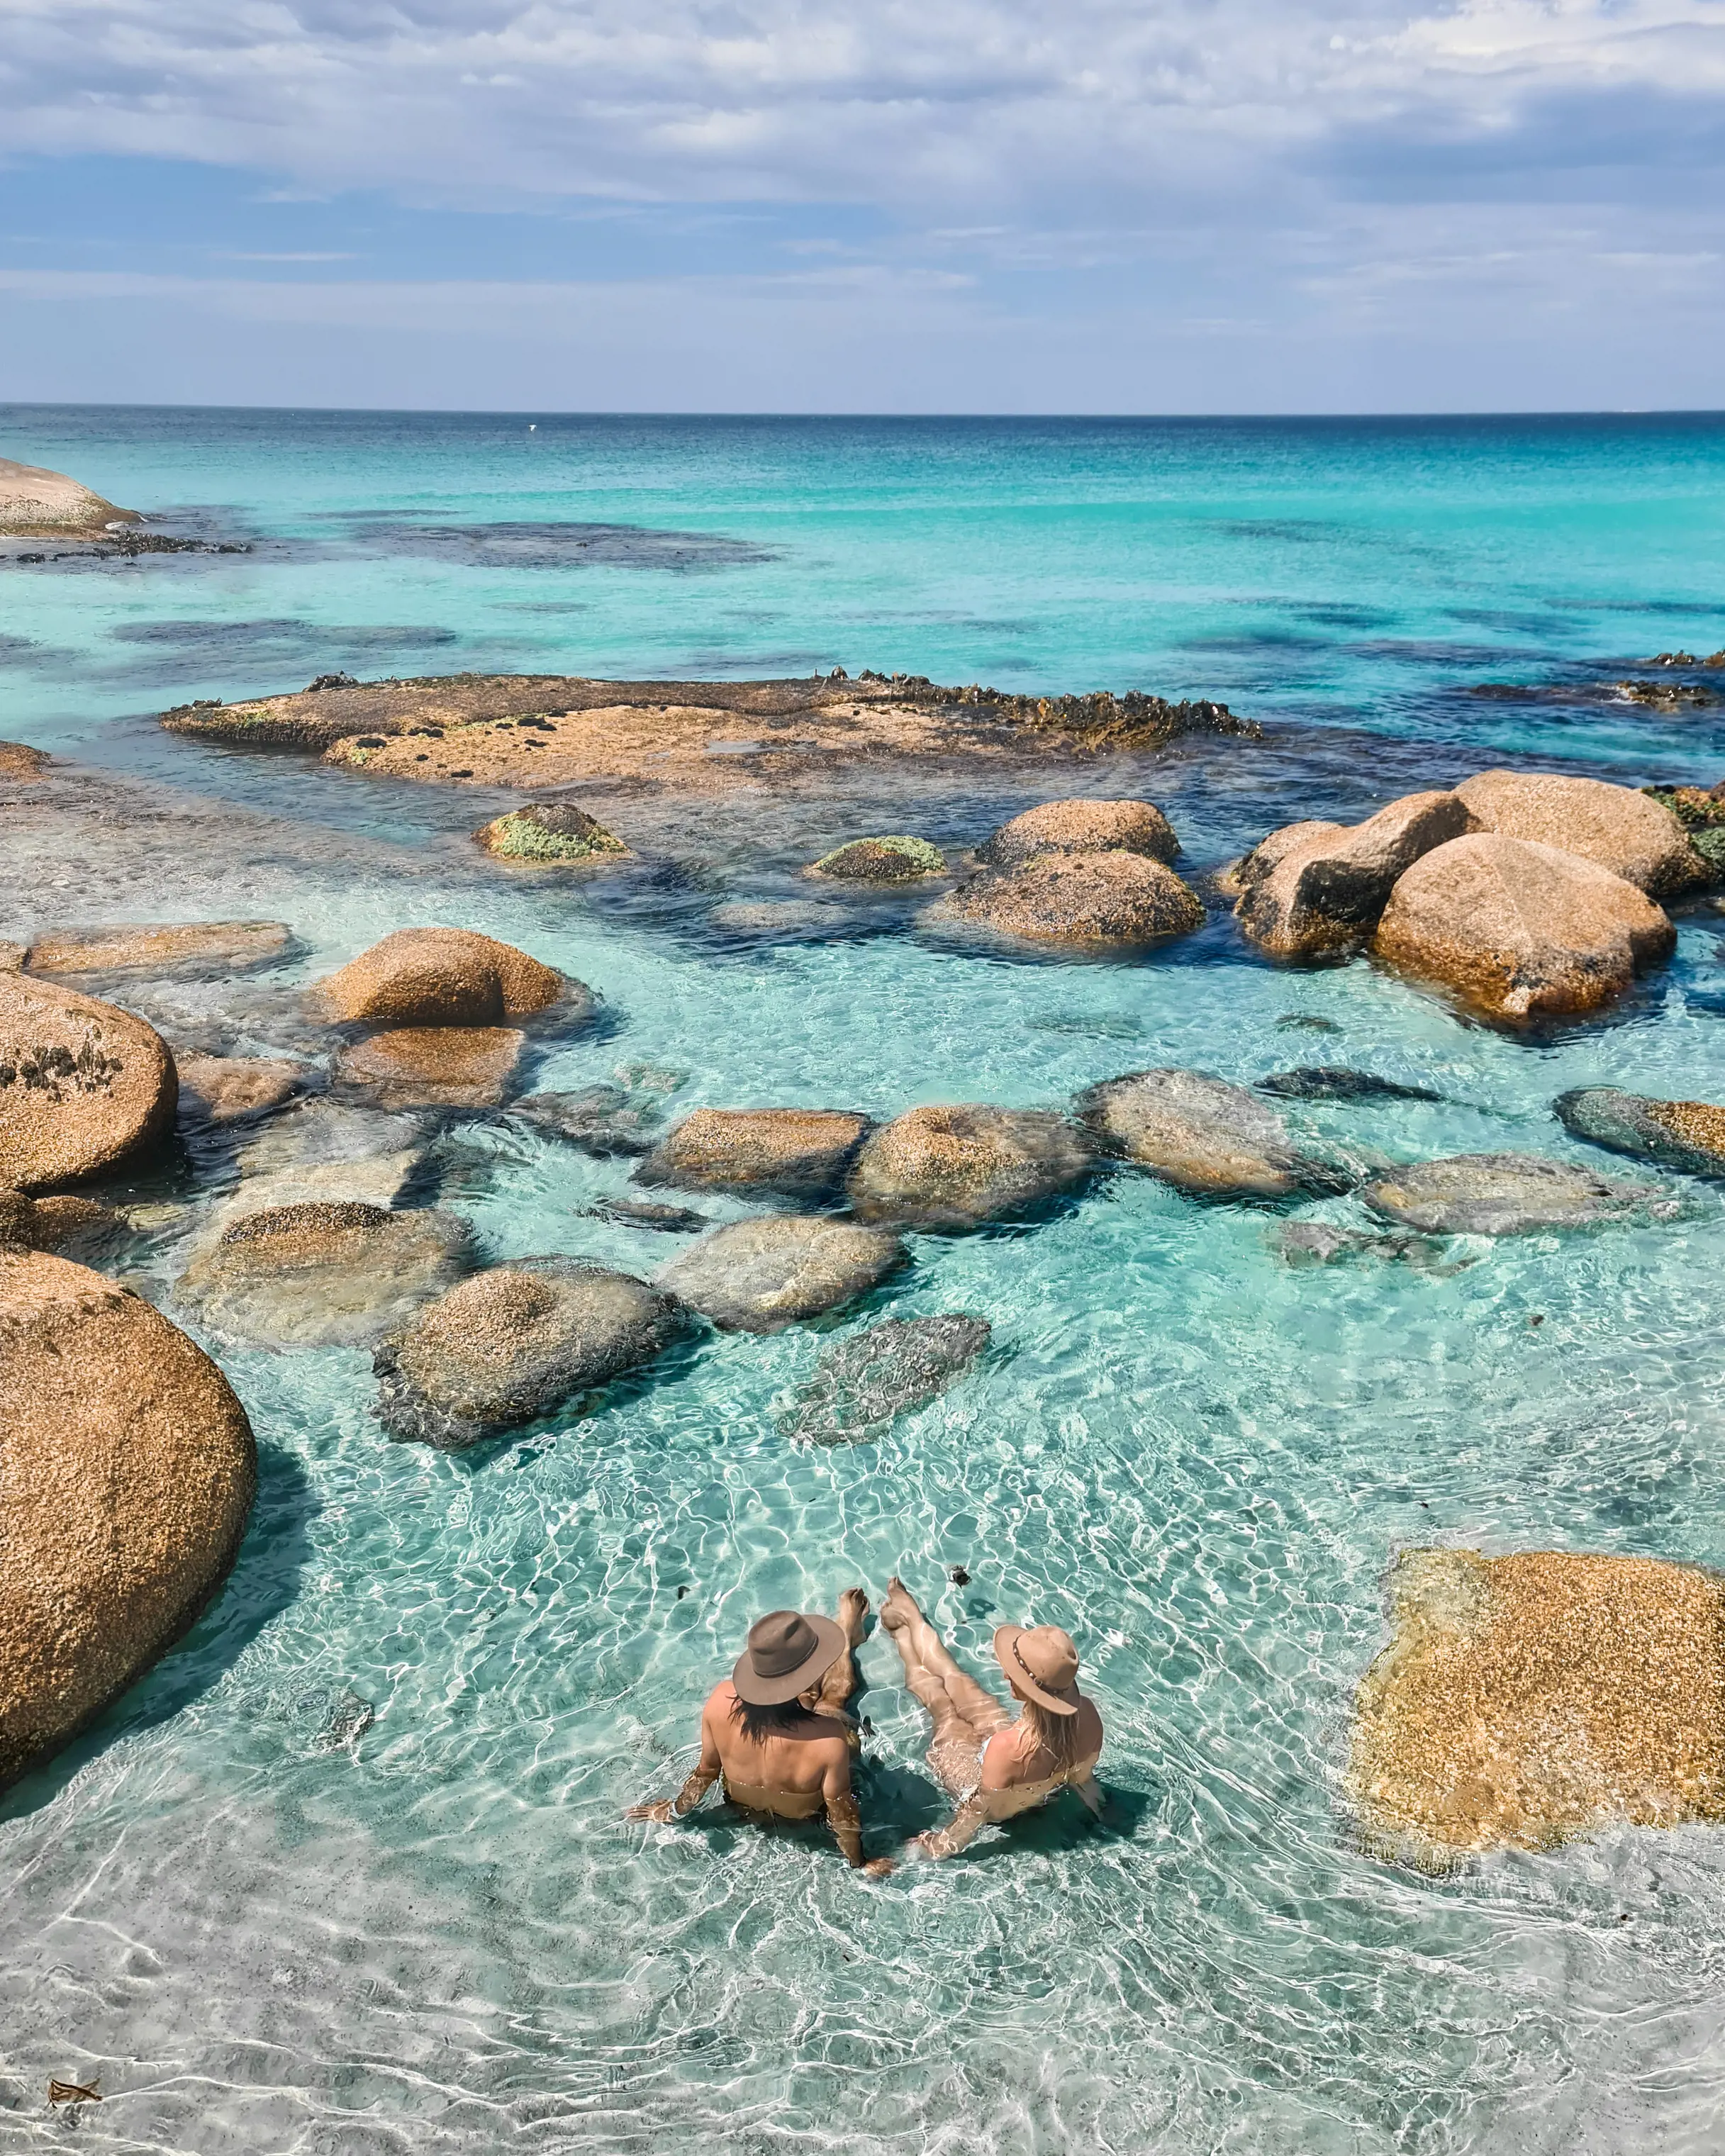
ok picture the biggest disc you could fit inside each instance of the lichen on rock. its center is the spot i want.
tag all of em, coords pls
(886, 860)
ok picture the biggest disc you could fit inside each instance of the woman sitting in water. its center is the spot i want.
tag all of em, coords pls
(1054, 1745)
(769, 1730)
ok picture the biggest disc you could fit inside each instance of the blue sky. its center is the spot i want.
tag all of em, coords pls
(985, 205)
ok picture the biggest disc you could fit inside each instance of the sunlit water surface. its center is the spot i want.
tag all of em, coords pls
(442, 1937)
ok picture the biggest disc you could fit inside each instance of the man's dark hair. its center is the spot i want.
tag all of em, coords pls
(763, 1721)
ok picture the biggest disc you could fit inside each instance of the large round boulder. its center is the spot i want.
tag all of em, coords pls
(947, 1168)
(324, 1273)
(433, 1067)
(1521, 929)
(83, 1086)
(1081, 827)
(761, 1275)
(1202, 1135)
(798, 1153)
(129, 1474)
(228, 946)
(859, 1386)
(1321, 893)
(1506, 1194)
(1094, 901)
(421, 977)
(1689, 1135)
(511, 1345)
(1615, 827)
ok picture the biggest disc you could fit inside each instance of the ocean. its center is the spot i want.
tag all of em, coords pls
(441, 1935)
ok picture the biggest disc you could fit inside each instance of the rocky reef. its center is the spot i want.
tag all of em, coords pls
(37, 504)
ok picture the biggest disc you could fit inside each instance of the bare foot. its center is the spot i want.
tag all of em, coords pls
(853, 1615)
(900, 1607)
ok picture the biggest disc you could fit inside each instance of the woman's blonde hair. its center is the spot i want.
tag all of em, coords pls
(1057, 1734)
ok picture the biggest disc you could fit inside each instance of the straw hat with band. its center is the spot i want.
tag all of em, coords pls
(787, 1653)
(1042, 1662)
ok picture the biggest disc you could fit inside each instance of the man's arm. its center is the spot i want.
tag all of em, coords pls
(705, 1773)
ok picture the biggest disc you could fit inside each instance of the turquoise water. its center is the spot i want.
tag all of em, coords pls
(1196, 1458)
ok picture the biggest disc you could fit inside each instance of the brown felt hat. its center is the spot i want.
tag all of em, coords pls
(1042, 1662)
(787, 1653)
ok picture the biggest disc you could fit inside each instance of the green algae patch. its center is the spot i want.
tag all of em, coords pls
(1702, 816)
(881, 860)
(551, 835)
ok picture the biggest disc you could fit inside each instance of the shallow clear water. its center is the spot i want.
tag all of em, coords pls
(1198, 1459)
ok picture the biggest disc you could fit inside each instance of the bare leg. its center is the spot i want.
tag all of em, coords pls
(839, 1681)
(964, 1716)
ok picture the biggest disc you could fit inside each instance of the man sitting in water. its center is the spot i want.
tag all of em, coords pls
(1054, 1745)
(777, 1730)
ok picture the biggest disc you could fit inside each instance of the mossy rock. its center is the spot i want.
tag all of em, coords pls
(1702, 816)
(882, 860)
(550, 833)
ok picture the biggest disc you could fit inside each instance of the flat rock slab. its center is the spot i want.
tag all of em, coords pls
(1525, 1700)
(761, 1275)
(797, 1153)
(231, 946)
(129, 1474)
(1204, 1135)
(1094, 901)
(446, 1066)
(1688, 1134)
(83, 1086)
(860, 1384)
(1328, 1082)
(515, 1343)
(326, 1150)
(323, 1273)
(1080, 827)
(216, 1091)
(606, 1121)
(948, 1168)
(1507, 1194)
(429, 976)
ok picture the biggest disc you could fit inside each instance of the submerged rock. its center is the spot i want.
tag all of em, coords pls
(603, 1120)
(83, 1086)
(551, 835)
(1524, 1700)
(76, 1227)
(1317, 1243)
(130, 1473)
(1615, 827)
(1321, 888)
(761, 1275)
(881, 860)
(1506, 1194)
(446, 1066)
(1094, 900)
(1081, 827)
(1204, 1135)
(1689, 1135)
(861, 1383)
(947, 1168)
(788, 917)
(425, 976)
(511, 1345)
(323, 1274)
(1328, 1082)
(637, 1213)
(233, 946)
(1521, 929)
(320, 1149)
(219, 1089)
(798, 1153)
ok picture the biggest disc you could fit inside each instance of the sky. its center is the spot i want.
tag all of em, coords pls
(1085, 206)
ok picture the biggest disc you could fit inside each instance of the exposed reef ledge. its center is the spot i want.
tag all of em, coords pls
(546, 731)
(37, 504)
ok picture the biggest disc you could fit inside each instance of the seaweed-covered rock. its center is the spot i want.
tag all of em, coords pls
(1613, 826)
(130, 1473)
(1095, 900)
(604, 1120)
(423, 976)
(219, 1089)
(83, 1086)
(323, 1273)
(511, 1345)
(761, 1275)
(1521, 929)
(1506, 1194)
(1081, 827)
(1689, 1135)
(1204, 1135)
(1329, 1082)
(947, 1168)
(231, 946)
(798, 1153)
(445, 1066)
(1701, 812)
(551, 835)
(859, 1385)
(881, 860)
(1527, 1699)
(1322, 893)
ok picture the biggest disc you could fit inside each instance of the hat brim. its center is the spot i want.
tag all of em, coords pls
(1006, 1638)
(830, 1641)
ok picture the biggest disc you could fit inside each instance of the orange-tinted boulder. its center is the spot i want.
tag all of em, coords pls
(441, 976)
(83, 1086)
(1615, 827)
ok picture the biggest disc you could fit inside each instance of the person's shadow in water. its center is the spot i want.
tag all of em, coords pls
(265, 1580)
